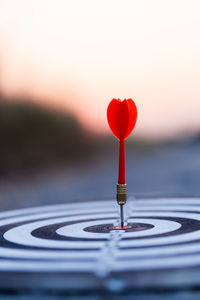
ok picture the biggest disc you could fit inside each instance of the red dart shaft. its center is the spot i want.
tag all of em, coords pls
(121, 175)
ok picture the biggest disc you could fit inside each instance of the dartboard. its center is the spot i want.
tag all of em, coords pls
(80, 244)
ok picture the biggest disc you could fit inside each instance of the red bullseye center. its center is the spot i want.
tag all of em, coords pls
(122, 227)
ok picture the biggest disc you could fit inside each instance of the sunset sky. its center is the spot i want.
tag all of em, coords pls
(79, 54)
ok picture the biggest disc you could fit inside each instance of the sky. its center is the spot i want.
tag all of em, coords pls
(79, 54)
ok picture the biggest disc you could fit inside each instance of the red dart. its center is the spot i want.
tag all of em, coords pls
(122, 116)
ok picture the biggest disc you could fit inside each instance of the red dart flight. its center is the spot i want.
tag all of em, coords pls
(122, 116)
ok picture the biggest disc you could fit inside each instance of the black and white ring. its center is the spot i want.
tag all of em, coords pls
(61, 238)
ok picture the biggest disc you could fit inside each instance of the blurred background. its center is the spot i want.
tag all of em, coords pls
(61, 62)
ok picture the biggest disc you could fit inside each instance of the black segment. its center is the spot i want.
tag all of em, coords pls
(106, 228)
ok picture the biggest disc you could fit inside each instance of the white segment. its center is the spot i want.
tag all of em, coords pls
(127, 253)
(82, 266)
(76, 213)
(160, 227)
(78, 206)
(47, 254)
(104, 204)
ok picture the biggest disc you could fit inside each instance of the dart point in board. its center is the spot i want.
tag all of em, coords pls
(122, 117)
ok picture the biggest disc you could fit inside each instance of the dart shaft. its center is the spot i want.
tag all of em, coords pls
(121, 175)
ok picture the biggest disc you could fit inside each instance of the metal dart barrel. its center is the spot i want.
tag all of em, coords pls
(121, 199)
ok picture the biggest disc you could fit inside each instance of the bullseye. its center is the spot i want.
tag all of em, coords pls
(123, 227)
(106, 228)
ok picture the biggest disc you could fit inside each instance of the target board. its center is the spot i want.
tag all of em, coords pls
(79, 245)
